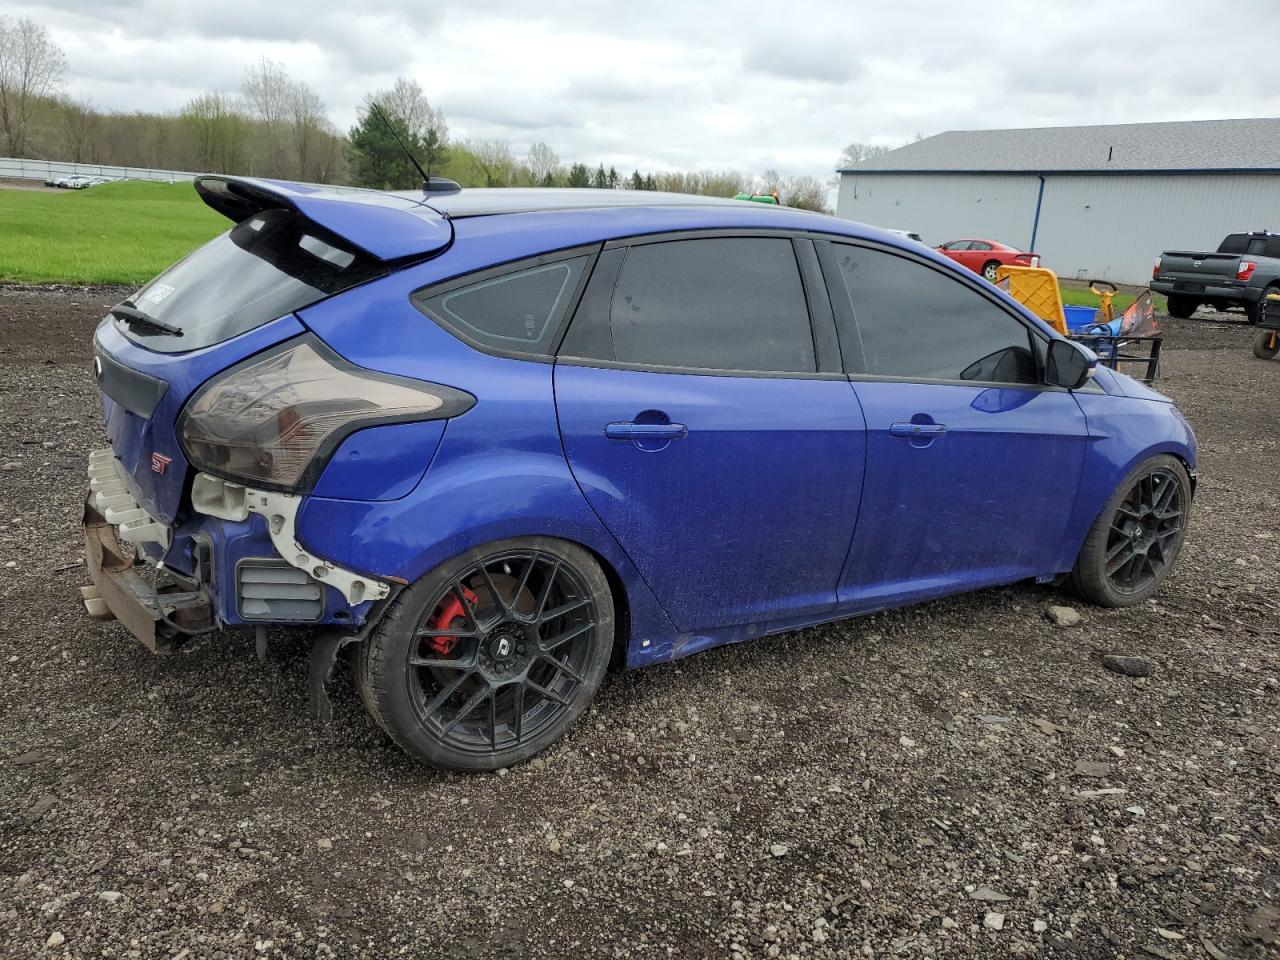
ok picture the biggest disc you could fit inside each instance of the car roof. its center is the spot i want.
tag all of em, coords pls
(492, 201)
(515, 221)
(554, 229)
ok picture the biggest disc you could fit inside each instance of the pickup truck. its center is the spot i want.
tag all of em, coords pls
(1243, 270)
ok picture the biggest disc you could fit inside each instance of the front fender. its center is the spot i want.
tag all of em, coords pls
(1123, 432)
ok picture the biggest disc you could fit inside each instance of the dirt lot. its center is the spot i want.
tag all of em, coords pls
(37, 185)
(883, 787)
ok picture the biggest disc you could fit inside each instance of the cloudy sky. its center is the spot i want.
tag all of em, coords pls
(689, 85)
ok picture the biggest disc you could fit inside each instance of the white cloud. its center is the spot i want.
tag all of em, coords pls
(667, 85)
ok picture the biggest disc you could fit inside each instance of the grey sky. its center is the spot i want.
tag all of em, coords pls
(689, 85)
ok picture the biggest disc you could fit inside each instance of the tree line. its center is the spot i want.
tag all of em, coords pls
(276, 125)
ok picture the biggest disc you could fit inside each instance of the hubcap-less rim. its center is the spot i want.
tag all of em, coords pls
(501, 654)
(1145, 532)
(990, 273)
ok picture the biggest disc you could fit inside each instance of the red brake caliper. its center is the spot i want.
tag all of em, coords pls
(451, 611)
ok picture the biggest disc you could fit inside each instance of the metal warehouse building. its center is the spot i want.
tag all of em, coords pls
(1098, 201)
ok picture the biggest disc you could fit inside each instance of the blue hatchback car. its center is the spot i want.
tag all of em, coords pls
(498, 440)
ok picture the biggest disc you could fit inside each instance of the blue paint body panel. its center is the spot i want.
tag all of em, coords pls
(745, 519)
(985, 502)
(381, 463)
(784, 502)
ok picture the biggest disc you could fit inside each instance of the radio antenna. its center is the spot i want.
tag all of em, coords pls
(426, 179)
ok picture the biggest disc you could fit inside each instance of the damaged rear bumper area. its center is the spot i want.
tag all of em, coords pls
(231, 559)
(155, 611)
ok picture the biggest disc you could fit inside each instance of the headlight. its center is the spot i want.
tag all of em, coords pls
(276, 418)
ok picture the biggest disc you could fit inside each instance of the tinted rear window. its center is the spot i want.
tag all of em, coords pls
(719, 304)
(265, 267)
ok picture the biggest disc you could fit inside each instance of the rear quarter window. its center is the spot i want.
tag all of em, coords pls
(516, 309)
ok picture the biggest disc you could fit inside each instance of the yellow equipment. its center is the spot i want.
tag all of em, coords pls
(1105, 296)
(1036, 288)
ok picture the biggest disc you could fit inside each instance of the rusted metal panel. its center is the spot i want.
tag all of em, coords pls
(131, 597)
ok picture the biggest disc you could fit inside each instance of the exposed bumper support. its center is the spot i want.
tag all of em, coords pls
(120, 590)
(109, 495)
(233, 501)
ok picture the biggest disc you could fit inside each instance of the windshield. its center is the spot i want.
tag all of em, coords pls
(269, 265)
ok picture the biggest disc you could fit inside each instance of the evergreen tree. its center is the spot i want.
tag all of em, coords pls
(377, 160)
(601, 179)
(613, 179)
(579, 175)
(635, 181)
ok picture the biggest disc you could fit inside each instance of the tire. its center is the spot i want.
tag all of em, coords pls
(1266, 344)
(1254, 310)
(1137, 538)
(491, 657)
(989, 270)
(1181, 307)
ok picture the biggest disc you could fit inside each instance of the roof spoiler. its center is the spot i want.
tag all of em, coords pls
(385, 226)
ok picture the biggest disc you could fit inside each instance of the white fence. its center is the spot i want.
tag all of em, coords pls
(12, 168)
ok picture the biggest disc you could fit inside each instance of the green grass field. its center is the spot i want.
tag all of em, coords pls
(122, 233)
(1076, 297)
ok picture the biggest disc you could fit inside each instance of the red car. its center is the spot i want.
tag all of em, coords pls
(984, 256)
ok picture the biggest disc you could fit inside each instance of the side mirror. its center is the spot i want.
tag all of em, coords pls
(1068, 364)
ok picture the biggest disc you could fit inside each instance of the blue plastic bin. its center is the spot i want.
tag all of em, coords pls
(1079, 317)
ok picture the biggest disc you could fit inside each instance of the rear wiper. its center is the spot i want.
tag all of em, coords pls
(126, 312)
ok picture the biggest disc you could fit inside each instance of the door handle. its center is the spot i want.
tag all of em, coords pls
(646, 431)
(910, 431)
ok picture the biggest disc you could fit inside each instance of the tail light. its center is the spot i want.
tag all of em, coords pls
(1245, 270)
(277, 417)
(1155, 270)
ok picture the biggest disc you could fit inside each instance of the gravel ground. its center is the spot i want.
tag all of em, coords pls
(962, 778)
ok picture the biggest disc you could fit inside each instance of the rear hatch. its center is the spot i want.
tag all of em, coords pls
(291, 247)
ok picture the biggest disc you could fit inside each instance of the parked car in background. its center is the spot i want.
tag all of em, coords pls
(1240, 273)
(76, 182)
(495, 441)
(986, 256)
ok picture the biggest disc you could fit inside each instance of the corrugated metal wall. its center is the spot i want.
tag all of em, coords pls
(1115, 226)
(942, 208)
(1111, 227)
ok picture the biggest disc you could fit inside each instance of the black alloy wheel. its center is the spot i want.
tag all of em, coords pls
(492, 657)
(1135, 542)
